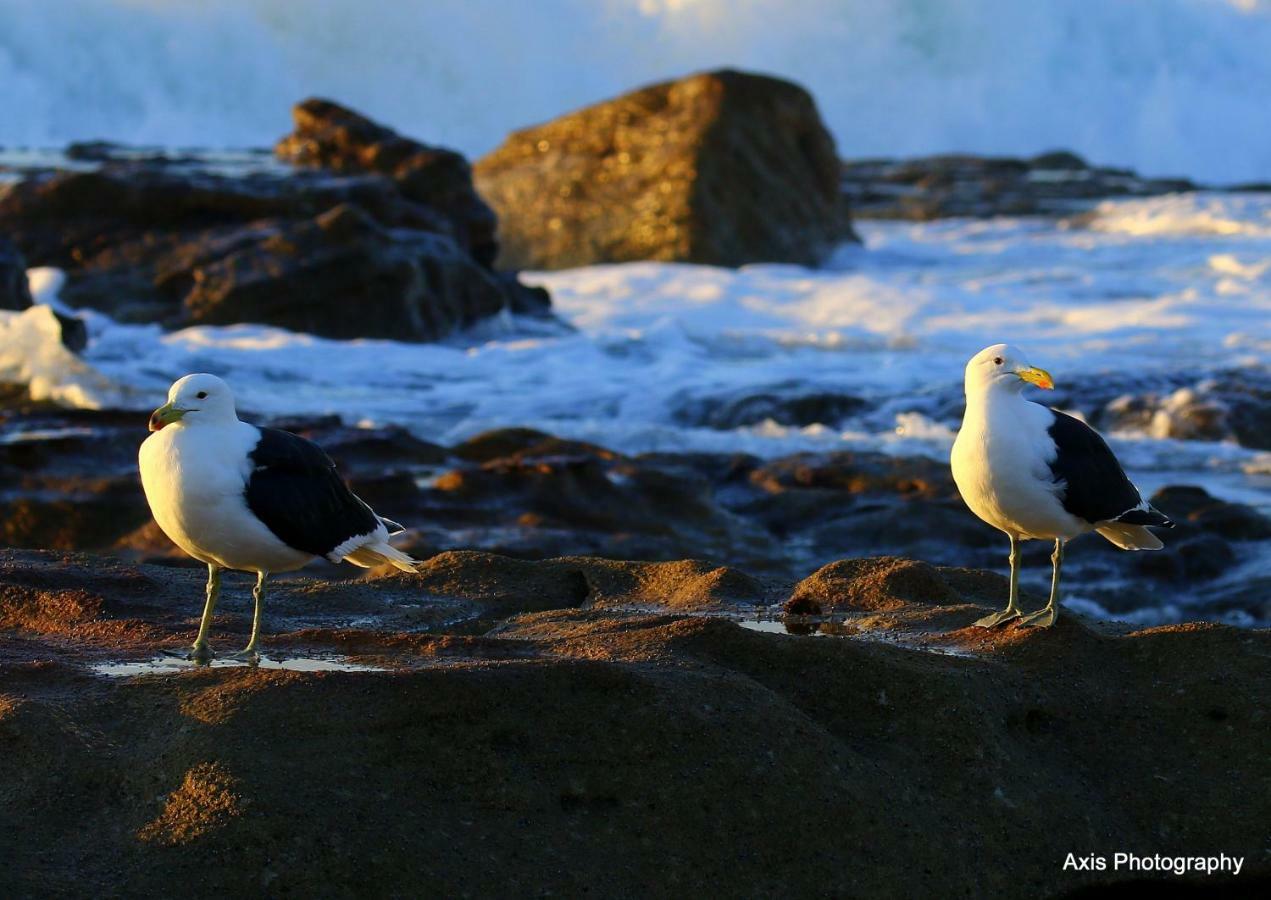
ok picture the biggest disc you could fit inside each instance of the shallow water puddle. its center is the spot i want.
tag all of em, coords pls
(171, 664)
(809, 627)
(801, 627)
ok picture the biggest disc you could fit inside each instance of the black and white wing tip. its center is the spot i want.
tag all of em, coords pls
(1095, 487)
(295, 490)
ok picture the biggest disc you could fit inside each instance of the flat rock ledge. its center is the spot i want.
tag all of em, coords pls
(586, 725)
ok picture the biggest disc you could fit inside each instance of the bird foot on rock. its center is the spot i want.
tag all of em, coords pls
(249, 655)
(1043, 618)
(200, 655)
(997, 618)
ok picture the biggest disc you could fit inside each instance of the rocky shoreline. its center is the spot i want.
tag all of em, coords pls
(617, 673)
(580, 724)
(70, 483)
(347, 214)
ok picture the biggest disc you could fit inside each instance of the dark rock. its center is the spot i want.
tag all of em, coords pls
(334, 137)
(15, 292)
(856, 473)
(785, 407)
(934, 187)
(501, 442)
(342, 276)
(150, 242)
(1227, 406)
(147, 244)
(1197, 506)
(74, 332)
(1058, 161)
(723, 168)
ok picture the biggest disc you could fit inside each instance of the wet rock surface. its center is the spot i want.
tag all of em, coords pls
(512, 715)
(15, 293)
(937, 187)
(1225, 406)
(170, 241)
(333, 137)
(723, 168)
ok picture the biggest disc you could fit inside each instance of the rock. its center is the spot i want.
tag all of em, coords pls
(490, 579)
(857, 473)
(334, 137)
(148, 242)
(311, 276)
(568, 733)
(880, 585)
(787, 406)
(1184, 415)
(15, 293)
(935, 187)
(1227, 406)
(723, 168)
(507, 442)
(1195, 505)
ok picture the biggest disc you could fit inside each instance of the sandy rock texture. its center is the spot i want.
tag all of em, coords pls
(722, 167)
(580, 726)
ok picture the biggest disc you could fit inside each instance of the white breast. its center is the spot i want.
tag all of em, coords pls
(194, 479)
(1000, 463)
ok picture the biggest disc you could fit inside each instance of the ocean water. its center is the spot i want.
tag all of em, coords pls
(1140, 296)
(1168, 86)
(1136, 297)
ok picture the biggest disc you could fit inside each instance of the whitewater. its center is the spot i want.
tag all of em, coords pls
(1171, 87)
(1136, 298)
(1141, 295)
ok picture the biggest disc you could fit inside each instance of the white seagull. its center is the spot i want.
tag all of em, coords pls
(259, 500)
(1036, 473)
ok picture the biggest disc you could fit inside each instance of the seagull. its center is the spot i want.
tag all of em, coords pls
(260, 500)
(1036, 473)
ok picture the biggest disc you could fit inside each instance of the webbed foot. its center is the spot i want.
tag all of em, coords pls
(249, 655)
(1043, 618)
(997, 618)
(199, 654)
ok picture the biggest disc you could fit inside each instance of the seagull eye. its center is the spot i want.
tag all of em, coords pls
(997, 361)
(202, 395)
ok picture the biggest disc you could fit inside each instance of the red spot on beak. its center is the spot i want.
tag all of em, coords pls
(155, 422)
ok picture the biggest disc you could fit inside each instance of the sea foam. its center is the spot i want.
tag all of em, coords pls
(1168, 87)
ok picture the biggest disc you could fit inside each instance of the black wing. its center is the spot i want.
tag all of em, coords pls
(295, 490)
(1096, 488)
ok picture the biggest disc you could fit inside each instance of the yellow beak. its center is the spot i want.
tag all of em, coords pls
(1039, 377)
(165, 415)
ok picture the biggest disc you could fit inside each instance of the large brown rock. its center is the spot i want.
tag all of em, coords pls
(334, 137)
(723, 168)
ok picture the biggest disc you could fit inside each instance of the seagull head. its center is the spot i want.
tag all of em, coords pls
(195, 399)
(1003, 367)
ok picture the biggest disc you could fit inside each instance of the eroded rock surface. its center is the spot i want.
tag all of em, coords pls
(513, 721)
(723, 168)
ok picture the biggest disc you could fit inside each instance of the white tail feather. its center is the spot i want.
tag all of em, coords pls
(1130, 537)
(368, 556)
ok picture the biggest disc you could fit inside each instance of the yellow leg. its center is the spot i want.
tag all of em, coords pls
(1012, 610)
(1044, 618)
(251, 652)
(202, 652)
